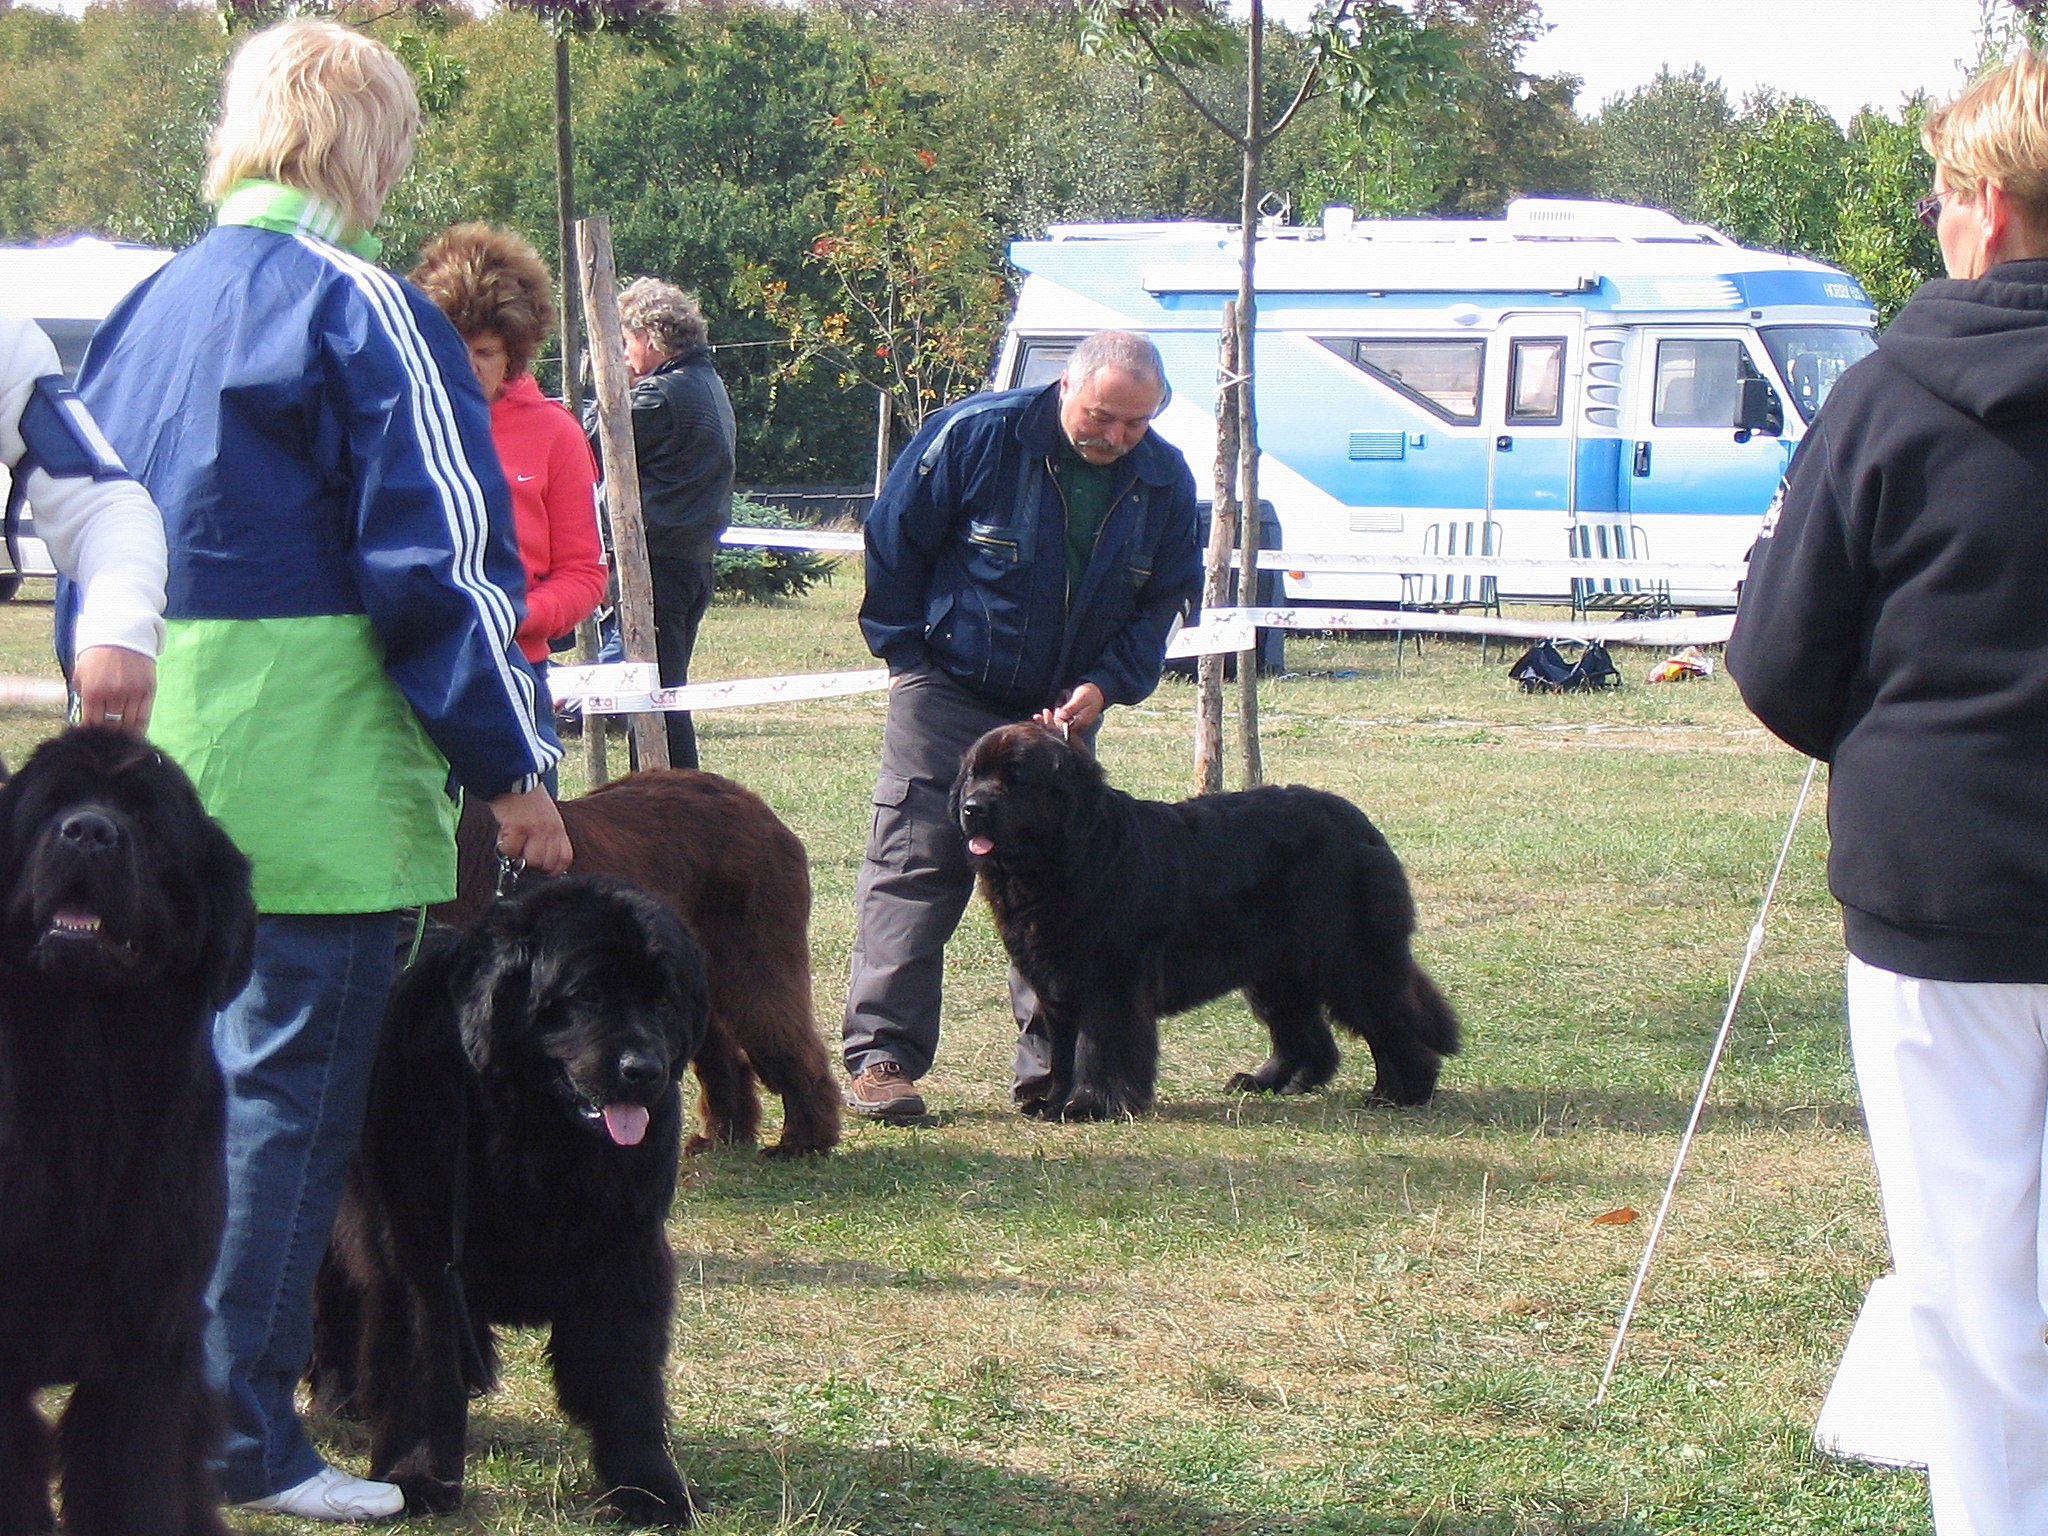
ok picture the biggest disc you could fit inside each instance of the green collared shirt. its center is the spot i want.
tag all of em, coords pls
(1088, 491)
(290, 211)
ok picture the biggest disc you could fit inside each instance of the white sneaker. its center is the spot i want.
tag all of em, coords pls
(332, 1494)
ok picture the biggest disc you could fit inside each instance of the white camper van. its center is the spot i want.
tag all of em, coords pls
(67, 288)
(1572, 375)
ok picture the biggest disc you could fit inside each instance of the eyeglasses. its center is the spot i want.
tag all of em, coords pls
(1928, 208)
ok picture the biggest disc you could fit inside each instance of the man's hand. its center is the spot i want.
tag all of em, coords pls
(115, 686)
(530, 830)
(1077, 710)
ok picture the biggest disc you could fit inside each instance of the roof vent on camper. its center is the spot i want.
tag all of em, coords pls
(1337, 222)
(1563, 218)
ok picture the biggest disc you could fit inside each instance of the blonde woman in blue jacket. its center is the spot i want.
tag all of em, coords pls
(343, 594)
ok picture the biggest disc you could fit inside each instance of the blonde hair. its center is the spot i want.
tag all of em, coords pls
(318, 107)
(1997, 131)
(486, 279)
(662, 312)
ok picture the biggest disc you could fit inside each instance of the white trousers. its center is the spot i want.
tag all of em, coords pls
(1954, 1080)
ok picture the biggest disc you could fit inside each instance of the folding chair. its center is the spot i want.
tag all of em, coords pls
(1637, 596)
(1452, 591)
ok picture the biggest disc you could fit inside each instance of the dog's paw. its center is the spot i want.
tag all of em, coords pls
(1254, 1082)
(672, 1507)
(1086, 1104)
(428, 1495)
(1042, 1106)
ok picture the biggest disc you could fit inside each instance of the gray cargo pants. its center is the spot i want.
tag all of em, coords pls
(914, 884)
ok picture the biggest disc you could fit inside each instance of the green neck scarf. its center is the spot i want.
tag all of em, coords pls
(289, 211)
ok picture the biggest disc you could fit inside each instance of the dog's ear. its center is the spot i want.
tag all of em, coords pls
(227, 924)
(491, 985)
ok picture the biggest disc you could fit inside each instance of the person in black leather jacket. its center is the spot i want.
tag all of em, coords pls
(683, 437)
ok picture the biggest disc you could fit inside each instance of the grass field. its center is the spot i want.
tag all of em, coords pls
(1314, 1316)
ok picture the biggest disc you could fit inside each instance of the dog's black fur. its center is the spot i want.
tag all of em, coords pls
(517, 1167)
(125, 922)
(1119, 910)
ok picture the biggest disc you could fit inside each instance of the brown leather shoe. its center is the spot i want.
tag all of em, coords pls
(885, 1092)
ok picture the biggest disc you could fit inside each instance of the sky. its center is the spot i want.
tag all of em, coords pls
(1844, 54)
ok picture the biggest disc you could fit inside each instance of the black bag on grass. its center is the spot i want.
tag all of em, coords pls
(1543, 669)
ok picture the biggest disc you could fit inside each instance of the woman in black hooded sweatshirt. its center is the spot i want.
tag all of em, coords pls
(1895, 625)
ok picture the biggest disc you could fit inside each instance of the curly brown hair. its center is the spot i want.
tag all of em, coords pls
(486, 279)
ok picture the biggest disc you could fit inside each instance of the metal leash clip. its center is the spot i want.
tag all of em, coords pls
(509, 871)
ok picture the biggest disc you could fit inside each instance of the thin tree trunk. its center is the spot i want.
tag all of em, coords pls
(1248, 427)
(596, 765)
(621, 470)
(881, 439)
(1216, 565)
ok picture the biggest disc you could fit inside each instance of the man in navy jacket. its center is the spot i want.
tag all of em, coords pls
(1026, 559)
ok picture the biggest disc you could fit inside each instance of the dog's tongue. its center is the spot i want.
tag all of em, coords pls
(626, 1123)
(980, 845)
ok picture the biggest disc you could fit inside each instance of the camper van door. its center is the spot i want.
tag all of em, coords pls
(1694, 483)
(1532, 416)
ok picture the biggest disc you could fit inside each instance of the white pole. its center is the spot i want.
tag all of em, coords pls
(1699, 1106)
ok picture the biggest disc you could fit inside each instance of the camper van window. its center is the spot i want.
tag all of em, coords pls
(1536, 382)
(1442, 375)
(1699, 383)
(1040, 362)
(1812, 357)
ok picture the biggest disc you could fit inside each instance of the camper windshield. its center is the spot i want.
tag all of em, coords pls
(1812, 357)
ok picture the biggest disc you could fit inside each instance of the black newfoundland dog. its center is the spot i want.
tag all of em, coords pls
(517, 1166)
(126, 921)
(1119, 910)
(740, 881)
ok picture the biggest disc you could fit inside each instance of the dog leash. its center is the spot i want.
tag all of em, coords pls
(474, 1366)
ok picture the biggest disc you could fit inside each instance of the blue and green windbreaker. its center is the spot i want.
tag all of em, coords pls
(344, 585)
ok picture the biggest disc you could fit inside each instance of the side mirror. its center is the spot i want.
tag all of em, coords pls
(1760, 410)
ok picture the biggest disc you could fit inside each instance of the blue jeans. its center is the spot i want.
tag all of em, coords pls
(296, 1049)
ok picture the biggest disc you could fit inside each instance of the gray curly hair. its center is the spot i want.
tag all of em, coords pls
(662, 312)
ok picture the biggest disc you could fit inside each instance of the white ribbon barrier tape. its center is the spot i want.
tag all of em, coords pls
(732, 695)
(609, 677)
(1702, 573)
(792, 538)
(1234, 629)
(32, 693)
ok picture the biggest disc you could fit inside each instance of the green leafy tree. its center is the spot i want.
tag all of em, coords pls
(1360, 53)
(719, 162)
(918, 298)
(1650, 144)
(1877, 234)
(130, 167)
(1494, 133)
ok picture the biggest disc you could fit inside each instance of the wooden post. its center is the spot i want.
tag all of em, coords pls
(596, 764)
(621, 468)
(1223, 514)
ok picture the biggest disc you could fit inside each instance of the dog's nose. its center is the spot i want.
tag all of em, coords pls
(637, 1069)
(972, 813)
(89, 830)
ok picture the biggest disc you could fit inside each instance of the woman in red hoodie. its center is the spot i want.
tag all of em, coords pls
(496, 290)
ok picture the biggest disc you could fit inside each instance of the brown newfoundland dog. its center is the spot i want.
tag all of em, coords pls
(738, 878)
(125, 921)
(1119, 910)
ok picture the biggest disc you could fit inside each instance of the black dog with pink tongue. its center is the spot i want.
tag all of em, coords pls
(517, 1167)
